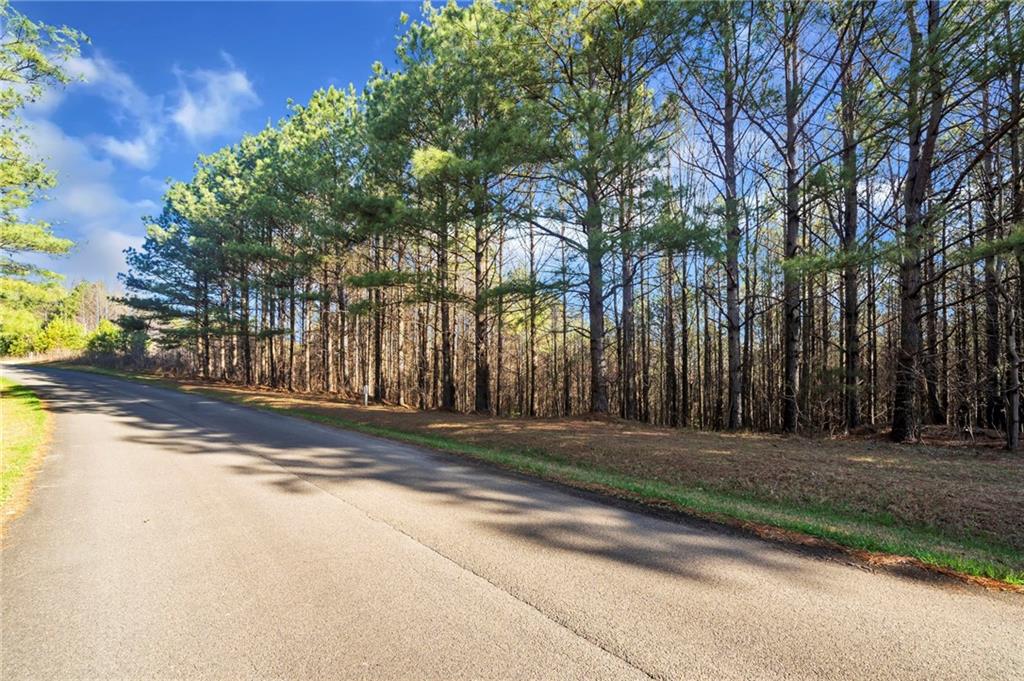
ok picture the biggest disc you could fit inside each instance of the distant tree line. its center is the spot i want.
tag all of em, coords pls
(778, 216)
(58, 319)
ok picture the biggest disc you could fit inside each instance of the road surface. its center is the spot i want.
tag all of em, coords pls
(174, 536)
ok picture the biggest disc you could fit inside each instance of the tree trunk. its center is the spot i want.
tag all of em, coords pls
(447, 336)
(482, 375)
(791, 282)
(291, 336)
(595, 300)
(531, 342)
(671, 379)
(851, 302)
(732, 220)
(993, 393)
(566, 367)
(921, 148)
(684, 342)
(628, 337)
(246, 343)
(1013, 415)
(377, 297)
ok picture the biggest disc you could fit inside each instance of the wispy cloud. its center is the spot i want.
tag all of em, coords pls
(211, 101)
(141, 151)
(112, 83)
(89, 203)
(131, 106)
(86, 205)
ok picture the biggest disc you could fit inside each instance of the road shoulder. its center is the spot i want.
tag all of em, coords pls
(27, 427)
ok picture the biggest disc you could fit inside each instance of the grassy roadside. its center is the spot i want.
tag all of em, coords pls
(867, 535)
(23, 435)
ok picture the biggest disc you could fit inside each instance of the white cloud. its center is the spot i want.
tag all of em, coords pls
(211, 101)
(68, 156)
(208, 103)
(90, 204)
(98, 256)
(85, 206)
(142, 151)
(83, 68)
(113, 84)
(46, 103)
(147, 207)
(132, 106)
(88, 200)
(152, 184)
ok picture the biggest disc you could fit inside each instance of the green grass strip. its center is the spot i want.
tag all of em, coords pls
(24, 431)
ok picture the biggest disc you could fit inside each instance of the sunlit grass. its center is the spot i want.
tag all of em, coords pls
(22, 433)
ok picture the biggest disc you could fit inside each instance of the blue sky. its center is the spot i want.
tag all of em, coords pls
(164, 82)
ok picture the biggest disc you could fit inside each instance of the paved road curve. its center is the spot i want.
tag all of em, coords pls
(173, 536)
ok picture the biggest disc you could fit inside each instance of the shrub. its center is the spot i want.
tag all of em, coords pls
(107, 339)
(61, 334)
(19, 331)
(110, 339)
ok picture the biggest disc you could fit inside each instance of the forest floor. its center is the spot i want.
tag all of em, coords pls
(956, 509)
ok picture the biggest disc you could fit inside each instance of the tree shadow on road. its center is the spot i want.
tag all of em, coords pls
(516, 513)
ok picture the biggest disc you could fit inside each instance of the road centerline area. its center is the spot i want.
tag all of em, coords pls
(384, 521)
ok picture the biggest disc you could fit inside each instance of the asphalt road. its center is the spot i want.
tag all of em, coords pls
(173, 536)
